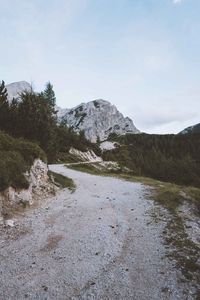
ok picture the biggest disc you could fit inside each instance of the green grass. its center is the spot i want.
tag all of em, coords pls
(167, 194)
(180, 247)
(183, 250)
(89, 168)
(169, 158)
(16, 157)
(86, 168)
(64, 157)
(62, 181)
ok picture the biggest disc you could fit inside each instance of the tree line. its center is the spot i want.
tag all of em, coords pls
(172, 158)
(34, 117)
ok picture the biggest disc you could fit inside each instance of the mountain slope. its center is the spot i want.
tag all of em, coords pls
(98, 119)
(191, 129)
(14, 89)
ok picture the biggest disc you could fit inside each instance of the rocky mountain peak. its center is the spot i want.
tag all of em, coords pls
(98, 119)
(14, 89)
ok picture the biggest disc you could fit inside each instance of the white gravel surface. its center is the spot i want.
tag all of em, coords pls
(96, 243)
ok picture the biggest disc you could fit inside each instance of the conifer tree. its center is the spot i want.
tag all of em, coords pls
(36, 114)
(4, 107)
(49, 95)
(3, 92)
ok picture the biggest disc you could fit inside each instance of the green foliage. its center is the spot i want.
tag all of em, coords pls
(62, 181)
(3, 92)
(34, 118)
(86, 168)
(49, 95)
(65, 138)
(172, 158)
(82, 116)
(16, 157)
(192, 129)
(4, 107)
(65, 157)
(196, 129)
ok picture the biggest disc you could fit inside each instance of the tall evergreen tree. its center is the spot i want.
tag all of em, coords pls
(3, 92)
(36, 114)
(49, 95)
(4, 107)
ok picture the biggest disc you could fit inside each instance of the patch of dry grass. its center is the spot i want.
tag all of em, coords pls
(62, 181)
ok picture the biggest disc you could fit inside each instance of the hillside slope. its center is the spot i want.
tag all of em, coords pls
(191, 129)
(172, 158)
(16, 157)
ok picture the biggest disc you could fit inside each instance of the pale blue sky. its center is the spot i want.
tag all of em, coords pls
(141, 55)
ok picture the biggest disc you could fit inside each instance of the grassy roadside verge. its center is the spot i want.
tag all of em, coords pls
(170, 195)
(90, 168)
(179, 245)
(62, 181)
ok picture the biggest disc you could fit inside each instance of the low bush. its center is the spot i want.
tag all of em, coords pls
(16, 157)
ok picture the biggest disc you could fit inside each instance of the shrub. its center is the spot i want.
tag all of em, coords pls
(16, 157)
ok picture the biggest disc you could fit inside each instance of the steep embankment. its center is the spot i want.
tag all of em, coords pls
(96, 243)
(23, 174)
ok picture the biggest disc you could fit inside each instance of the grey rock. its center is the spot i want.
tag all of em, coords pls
(9, 223)
(1, 220)
(16, 88)
(39, 187)
(98, 119)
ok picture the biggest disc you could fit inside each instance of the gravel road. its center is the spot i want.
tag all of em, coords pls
(96, 243)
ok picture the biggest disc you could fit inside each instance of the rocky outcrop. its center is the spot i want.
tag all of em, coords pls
(87, 156)
(107, 145)
(98, 119)
(11, 199)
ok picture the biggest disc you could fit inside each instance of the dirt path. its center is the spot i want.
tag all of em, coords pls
(96, 243)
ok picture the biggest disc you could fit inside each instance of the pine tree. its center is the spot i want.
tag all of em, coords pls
(3, 92)
(36, 121)
(49, 95)
(13, 117)
(4, 107)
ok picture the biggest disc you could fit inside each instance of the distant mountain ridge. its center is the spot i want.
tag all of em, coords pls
(191, 129)
(97, 119)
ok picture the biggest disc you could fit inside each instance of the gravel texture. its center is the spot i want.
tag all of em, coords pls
(96, 243)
